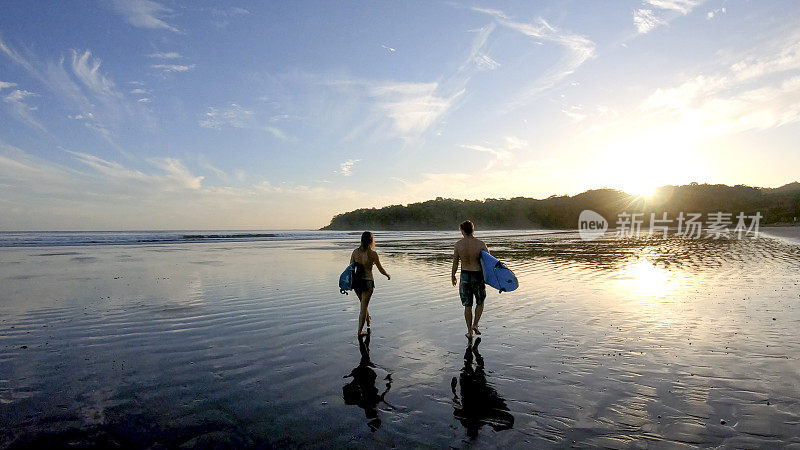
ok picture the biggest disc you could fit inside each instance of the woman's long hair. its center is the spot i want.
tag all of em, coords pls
(367, 240)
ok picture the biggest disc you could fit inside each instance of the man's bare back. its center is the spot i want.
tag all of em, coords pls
(468, 250)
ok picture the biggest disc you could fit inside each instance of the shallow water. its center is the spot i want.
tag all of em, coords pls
(618, 343)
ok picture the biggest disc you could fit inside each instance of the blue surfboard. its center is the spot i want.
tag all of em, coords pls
(496, 274)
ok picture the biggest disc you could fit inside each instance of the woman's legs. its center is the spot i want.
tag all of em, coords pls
(364, 297)
(358, 294)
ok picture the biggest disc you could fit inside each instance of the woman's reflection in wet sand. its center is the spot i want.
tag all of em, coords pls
(479, 404)
(361, 390)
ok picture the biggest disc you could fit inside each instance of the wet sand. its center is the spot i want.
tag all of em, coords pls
(617, 343)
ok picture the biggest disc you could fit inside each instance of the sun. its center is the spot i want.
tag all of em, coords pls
(641, 188)
(640, 163)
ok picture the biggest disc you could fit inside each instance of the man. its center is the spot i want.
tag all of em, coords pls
(468, 252)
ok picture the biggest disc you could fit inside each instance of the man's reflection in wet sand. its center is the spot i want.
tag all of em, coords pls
(361, 390)
(479, 404)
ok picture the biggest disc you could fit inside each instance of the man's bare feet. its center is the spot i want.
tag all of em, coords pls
(476, 330)
(468, 335)
(363, 333)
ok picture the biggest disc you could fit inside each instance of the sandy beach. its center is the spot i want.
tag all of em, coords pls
(616, 343)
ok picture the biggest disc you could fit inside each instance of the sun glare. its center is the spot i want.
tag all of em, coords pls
(641, 163)
(641, 188)
(644, 278)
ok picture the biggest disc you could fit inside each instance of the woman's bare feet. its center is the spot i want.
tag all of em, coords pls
(468, 335)
(477, 331)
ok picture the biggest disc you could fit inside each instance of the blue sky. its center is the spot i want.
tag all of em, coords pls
(137, 114)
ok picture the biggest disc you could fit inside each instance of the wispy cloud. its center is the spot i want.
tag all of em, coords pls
(177, 172)
(81, 116)
(646, 20)
(478, 56)
(716, 106)
(17, 105)
(578, 50)
(16, 57)
(24, 169)
(143, 95)
(144, 14)
(174, 175)
(87, 70)
(165, 55)
(777, 57)
(19, 108)
(214, 169)
(236, 116)
(173, 67)
(384, 108)
(655, 13)
(715, 12)
(413, 107)
(374, 109)
(113, 170)
(502, 154)
(164, 192)
(497, 154)
(278, 133)
(681, 6)
(346, 168)
(751, 91)
(78, 81)
(233, 115)
(575, 113)
(95, 92)
(222, 17)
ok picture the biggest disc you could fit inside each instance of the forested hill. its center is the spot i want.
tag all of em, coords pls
(780, 205)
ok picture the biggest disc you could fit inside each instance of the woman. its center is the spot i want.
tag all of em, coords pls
(365, 256)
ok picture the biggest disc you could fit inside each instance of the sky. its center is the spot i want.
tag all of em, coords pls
(142, 114)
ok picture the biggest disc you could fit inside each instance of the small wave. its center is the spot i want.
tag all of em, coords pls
(228, 236)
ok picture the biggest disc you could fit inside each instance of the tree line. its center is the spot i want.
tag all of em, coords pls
(778, 205)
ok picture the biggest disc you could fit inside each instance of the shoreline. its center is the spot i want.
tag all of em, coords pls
(787, 233)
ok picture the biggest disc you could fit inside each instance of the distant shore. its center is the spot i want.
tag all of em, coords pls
(778, 207)
(787, 232)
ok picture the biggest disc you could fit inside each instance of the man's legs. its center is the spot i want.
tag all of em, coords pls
(466, 294)
(478, 312)
(468, 318)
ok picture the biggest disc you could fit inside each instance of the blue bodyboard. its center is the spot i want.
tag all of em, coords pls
(346, 279)
(496, 274)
